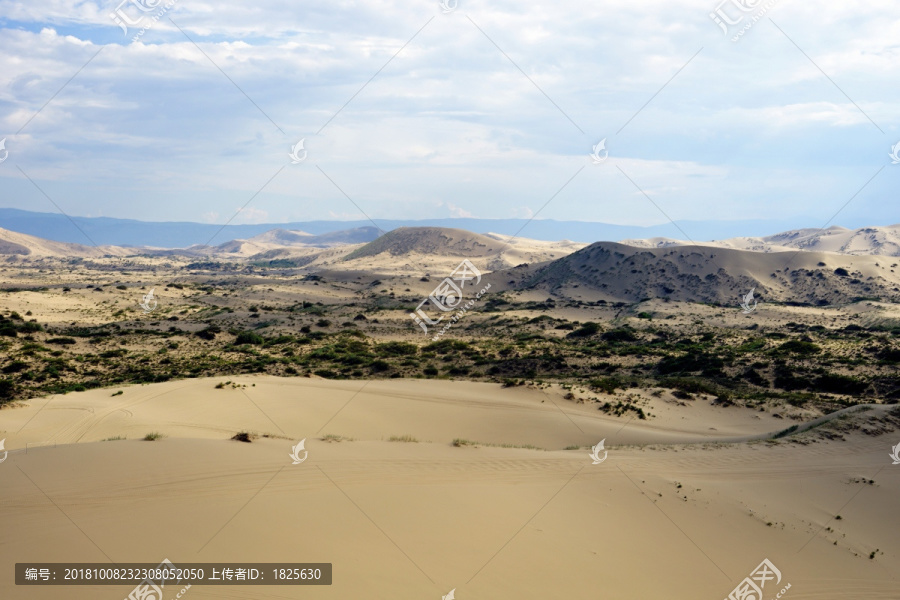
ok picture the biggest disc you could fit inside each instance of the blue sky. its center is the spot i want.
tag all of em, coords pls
(489, 111)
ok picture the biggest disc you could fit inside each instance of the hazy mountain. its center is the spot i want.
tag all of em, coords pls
(129, 232)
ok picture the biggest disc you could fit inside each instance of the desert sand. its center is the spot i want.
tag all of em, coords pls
(417, 519)
(871, 241)
(463, 464)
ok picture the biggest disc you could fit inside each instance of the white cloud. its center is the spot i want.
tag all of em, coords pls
(450, 126)
(251, 215)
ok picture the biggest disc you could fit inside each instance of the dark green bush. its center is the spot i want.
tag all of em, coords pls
(15, 366)
(839, 384)
(798, 347)
(248, 337)
(586, 330)
(621, 334)
(396, 349)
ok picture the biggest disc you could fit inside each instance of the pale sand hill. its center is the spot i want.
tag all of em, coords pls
(20, 244)
(285, 242)
(285, 237)
(413, 520)
(437, 251)
(875, 241)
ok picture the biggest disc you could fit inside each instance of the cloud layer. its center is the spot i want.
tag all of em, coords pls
(490, 110)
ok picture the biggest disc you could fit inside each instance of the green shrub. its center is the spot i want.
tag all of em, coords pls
(445, 346)
(396, 349)
(689, 363)
(15, 366)
(608, 385)
(7, 390)
(691, 385)
(798, 347)
(586, 330)
(621, 334)
(840, 384)
(248, 337)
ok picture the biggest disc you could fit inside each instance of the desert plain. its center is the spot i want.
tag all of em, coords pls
(470, 462)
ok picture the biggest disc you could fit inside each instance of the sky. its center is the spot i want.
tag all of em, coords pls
(420, 110)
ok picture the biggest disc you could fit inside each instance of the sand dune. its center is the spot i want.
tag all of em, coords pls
(414, 520)
(439, 250)
(874, 241)
(283, 240)
(20, 244)
(704, 274)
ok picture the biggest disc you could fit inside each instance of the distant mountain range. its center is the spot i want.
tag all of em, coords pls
(103, 231)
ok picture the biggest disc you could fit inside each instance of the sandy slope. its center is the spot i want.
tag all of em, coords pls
(439, 250)
(20, 244)
(413, 520)
(873, 241)
(703, 274)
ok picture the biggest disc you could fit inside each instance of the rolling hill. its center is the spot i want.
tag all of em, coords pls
(20, 244)
(718, 275)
